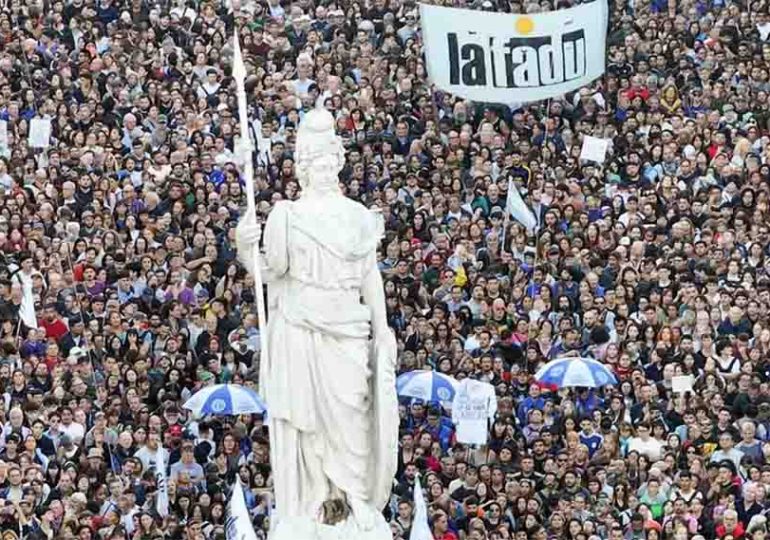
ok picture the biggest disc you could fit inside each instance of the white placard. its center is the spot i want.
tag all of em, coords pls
(594, 149)
(5, 149)
(681, 383)
(40, 132)
(505, 58)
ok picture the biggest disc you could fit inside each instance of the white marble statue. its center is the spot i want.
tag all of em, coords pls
(329, 381)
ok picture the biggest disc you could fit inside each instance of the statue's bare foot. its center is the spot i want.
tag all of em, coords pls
(334, 511)
(363, 513)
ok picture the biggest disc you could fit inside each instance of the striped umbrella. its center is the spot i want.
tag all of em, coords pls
(226, 400)
(576, 371)
(426, 385)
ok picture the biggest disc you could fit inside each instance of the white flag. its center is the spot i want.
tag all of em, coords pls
(420, 528)
(27, 306)
(238, 525)
(516, 207)
(161, 484)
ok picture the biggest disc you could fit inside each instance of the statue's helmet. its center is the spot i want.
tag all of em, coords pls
(318, 149)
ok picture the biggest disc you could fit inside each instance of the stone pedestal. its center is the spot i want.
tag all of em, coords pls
(306, 529)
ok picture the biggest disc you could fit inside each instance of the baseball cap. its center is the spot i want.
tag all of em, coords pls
(76, 352)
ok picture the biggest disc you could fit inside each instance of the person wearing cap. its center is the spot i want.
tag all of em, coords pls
(187, 470)
(95, 458)
(172, 437)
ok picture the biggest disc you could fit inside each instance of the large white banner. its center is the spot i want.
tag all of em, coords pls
(505, 58)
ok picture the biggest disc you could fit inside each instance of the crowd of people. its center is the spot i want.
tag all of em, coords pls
(655, 262)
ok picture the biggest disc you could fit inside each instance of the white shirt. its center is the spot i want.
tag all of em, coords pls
(733, 455)
(650, 448)
(472, 342)
(149, 457)
(75, 431)
(206, 89)
(302, 86)
(127, 520)
(474, 406)
(276, 12)
(764, 31)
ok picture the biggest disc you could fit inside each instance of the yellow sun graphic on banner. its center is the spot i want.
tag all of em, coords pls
(524, 25)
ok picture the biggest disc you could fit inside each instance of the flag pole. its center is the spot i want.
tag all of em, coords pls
(506, 224)
(245, 150)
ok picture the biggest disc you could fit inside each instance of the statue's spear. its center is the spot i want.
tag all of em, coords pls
(245, 151)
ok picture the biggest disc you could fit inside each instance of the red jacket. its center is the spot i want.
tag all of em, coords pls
(642, 92)
(55, 329)
(738, 532)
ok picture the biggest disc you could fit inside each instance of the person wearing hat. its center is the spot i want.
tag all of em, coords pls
(171, 414)
(76, 354)
(187, 471)
(172, 438)
(95, 456)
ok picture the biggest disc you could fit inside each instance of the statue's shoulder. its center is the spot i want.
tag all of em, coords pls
(377, 221)
(280, 210)
(336, 219)
(370, 218)
(282, 206)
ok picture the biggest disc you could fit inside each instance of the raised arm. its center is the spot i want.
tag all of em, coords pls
(275, 260)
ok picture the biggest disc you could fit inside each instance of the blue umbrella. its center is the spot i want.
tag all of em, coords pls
(225, 399)
(426, 385)
(571, 372)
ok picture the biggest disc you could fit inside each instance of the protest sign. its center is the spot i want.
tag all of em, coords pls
(39, 132)
(594, 149)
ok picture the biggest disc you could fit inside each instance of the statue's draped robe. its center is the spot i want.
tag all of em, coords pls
(331, 404)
